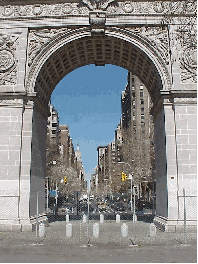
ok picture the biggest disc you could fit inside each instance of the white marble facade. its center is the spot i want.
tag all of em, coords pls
(42, 42)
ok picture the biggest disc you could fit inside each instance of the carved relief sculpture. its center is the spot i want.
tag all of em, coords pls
(8, 63)
(111, 6)
(184, 49)
(38, 38)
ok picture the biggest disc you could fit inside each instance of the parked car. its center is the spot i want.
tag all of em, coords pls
(102, 206)
(66, 208)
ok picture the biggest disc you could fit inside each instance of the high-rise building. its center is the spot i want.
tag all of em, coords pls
(79, 165)
(53, 125)
(133, 142)
(60, 148)
(137, 127)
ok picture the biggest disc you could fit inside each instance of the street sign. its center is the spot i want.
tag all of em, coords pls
(130, 177)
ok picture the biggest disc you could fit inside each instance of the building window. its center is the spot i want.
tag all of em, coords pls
(142, 101)
(141, 87)
(141, 94)
(142, 116)
(142, 109)
(132, 80)
(133, 88)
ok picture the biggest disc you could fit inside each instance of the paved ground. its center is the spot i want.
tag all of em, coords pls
(109, 247)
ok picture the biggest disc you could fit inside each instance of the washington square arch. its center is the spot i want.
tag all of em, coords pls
(41, 41)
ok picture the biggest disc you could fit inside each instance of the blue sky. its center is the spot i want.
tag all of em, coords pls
(88, 100)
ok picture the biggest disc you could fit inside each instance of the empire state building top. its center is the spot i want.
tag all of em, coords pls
(78, 154)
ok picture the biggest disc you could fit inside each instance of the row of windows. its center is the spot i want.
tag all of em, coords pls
(141, 86)
(141, 94)
(141, 102)
(142, 117)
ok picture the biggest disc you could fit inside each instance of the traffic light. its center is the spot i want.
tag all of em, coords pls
(65, 180)
(123, 176)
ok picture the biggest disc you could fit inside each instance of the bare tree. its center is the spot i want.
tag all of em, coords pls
(57, 171)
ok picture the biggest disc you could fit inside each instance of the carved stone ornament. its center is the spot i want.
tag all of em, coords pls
(159, 7)
(66, 9)
(30, 11)
(186, 37)
(6, 60)
(167, 101)
(97, 4)
(8, 71)
(37, 9)
(157, 36)
(11, 102)
(8, 11)
(38, 38)
(97, 22)
(128, 7)
(186, 100)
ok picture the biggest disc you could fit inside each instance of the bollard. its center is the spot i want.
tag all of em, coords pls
(68, 230)
(96, 230)
(124, 230)
(134, 218)
(84, 218)
(117, 218)
(101, 218)
(41, 230)
(152, 230)
(67, 218)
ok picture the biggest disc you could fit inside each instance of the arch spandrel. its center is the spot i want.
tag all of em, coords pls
(69, 49)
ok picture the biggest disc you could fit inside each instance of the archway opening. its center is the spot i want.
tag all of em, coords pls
(96, 103)
(77, 48)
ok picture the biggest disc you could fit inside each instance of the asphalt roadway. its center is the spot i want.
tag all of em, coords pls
(110, 247)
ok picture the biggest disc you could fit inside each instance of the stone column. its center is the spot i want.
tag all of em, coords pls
(166, 164)
(38, 159)
(171, 160)
(11, 116)
(22, 163)
(186, 136)
(25, 166)
(175, 138)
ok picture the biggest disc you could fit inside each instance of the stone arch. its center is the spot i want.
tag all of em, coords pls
(71, 49)
(164, 62)
(75, 48)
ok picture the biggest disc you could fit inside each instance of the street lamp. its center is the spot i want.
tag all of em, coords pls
(47, 193)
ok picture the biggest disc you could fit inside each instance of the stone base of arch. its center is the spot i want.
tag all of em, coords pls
(8, 225)
(24, 225)
(22, 163)
(175, 226)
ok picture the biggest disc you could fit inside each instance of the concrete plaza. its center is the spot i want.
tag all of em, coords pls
(108, 247)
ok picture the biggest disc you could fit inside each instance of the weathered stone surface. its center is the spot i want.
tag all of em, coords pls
(41, 42)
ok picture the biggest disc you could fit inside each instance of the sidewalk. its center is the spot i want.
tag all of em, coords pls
(109, 247)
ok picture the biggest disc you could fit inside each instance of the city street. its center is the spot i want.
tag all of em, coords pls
(56, 247)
